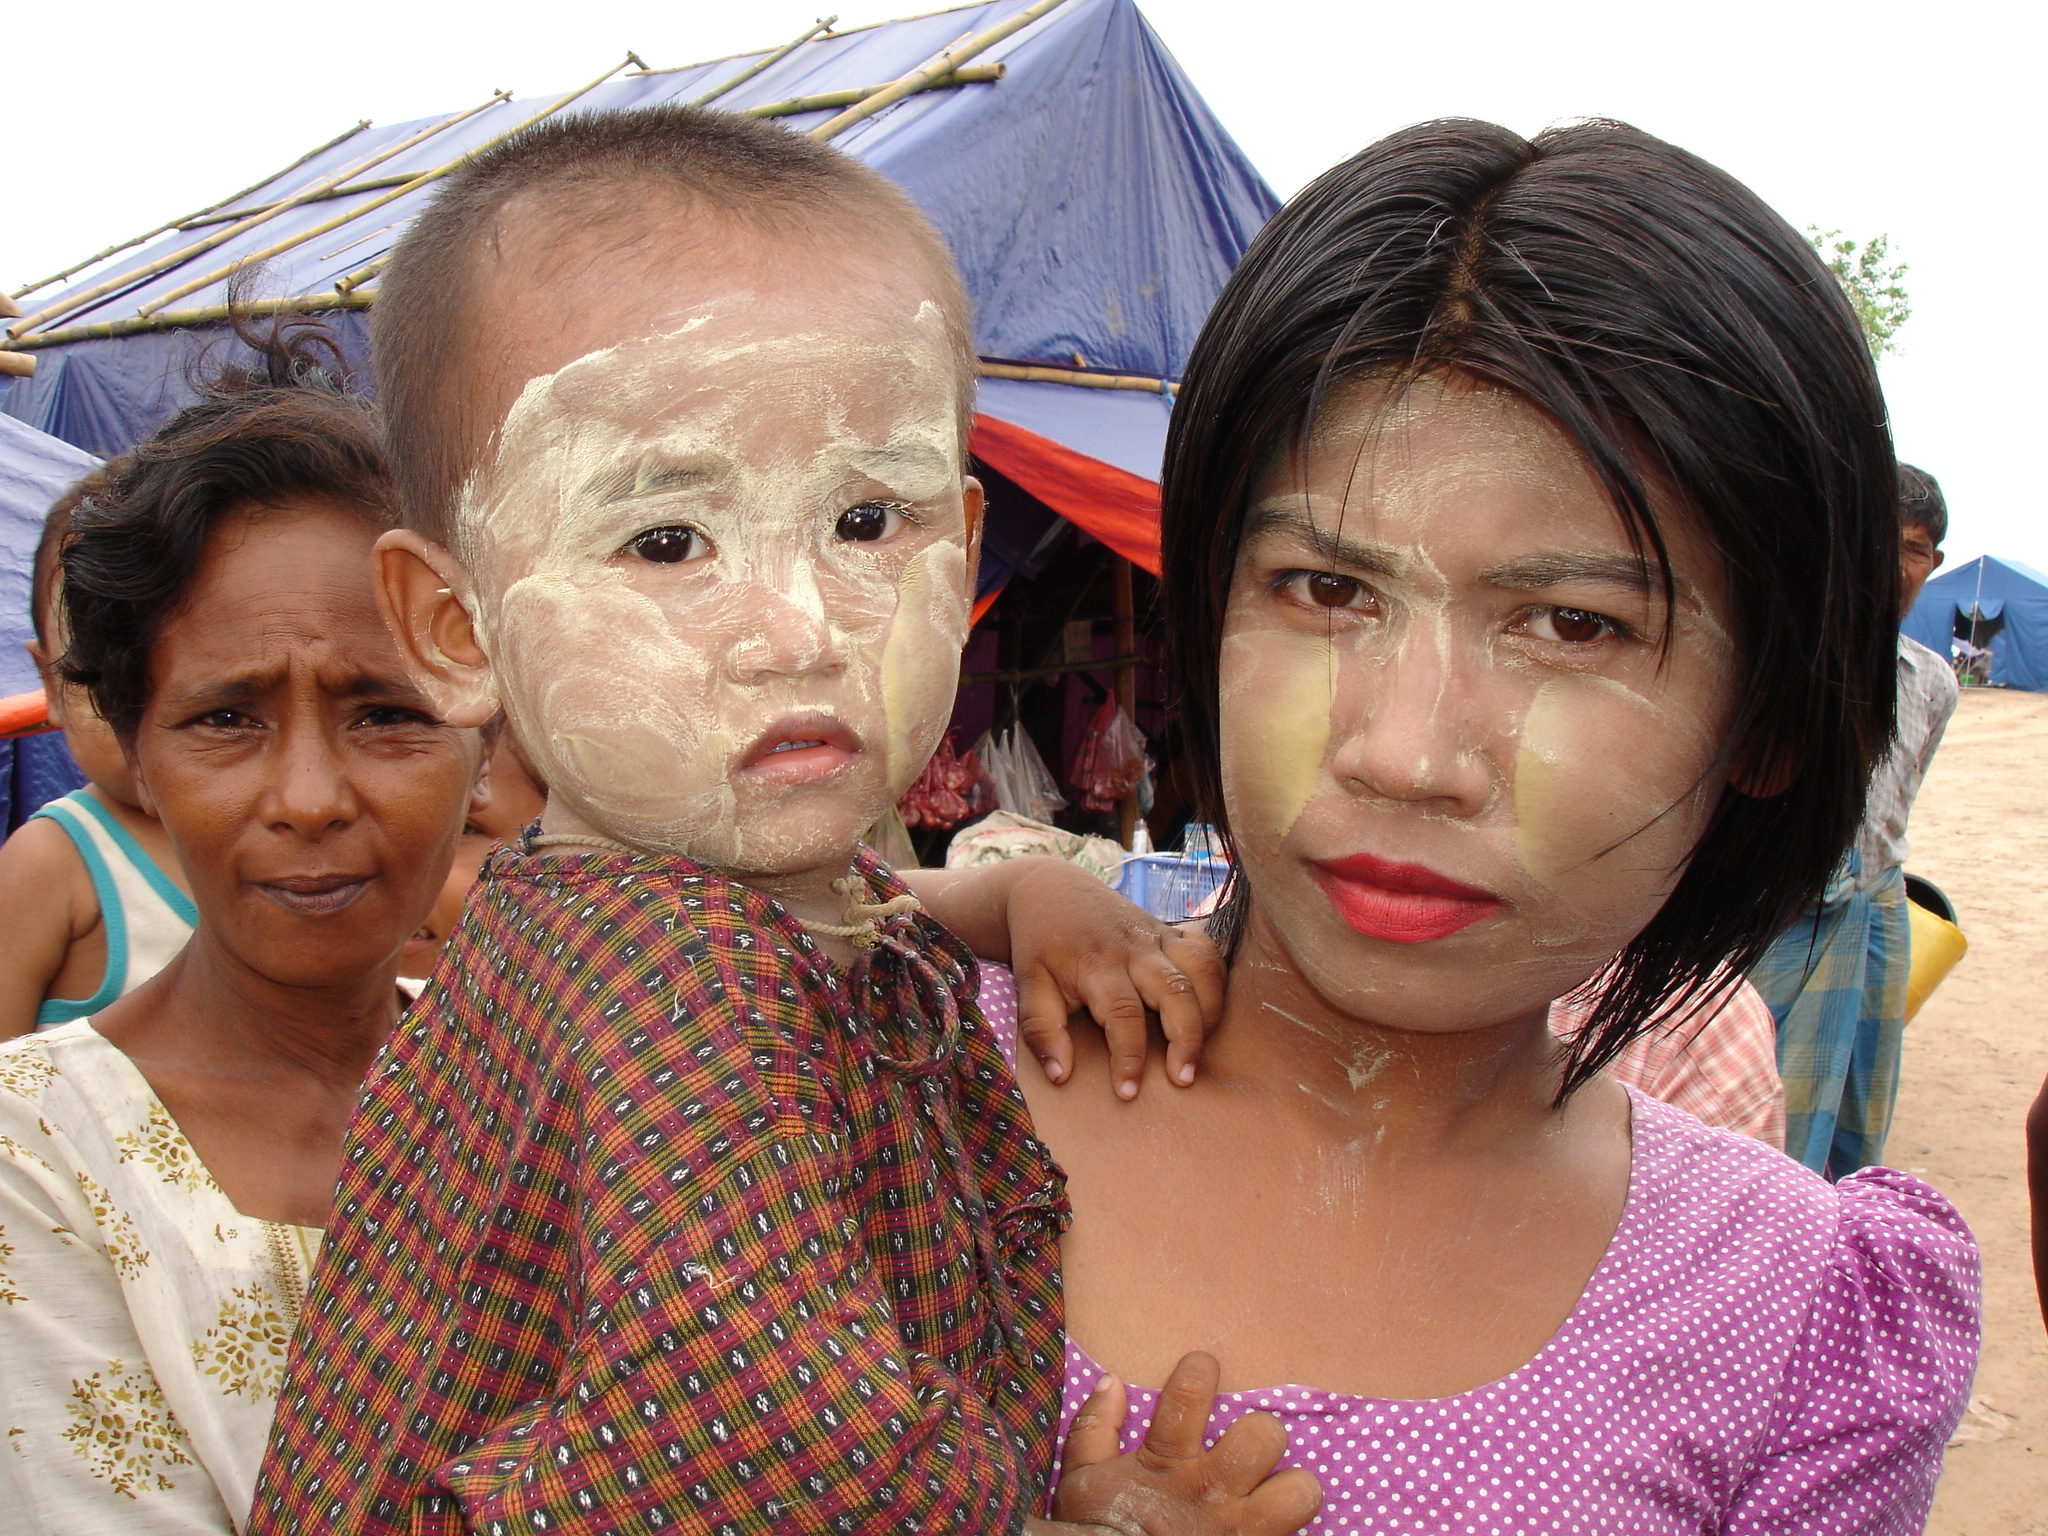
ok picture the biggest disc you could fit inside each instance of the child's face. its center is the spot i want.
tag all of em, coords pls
(1461, 770)
(723, 555)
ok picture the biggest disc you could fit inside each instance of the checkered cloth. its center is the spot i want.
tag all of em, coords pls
(1718, 1061)
(649, 1221)
(1836, 983)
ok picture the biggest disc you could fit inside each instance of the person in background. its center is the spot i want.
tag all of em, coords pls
(92, 901)
(1836, 979)
(517, 796)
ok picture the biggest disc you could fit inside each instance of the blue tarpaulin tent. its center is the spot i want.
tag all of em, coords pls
(1093, 201)
(1999, 605)
(35, 469)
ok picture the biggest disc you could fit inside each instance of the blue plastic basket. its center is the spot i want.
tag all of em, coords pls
(1168, 886)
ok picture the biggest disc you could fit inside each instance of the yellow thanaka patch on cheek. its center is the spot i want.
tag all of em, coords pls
(1283, 693)
(921, 658)
(1543, 786)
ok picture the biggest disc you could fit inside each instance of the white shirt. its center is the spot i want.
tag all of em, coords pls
(144, 1321)
(1927, 697)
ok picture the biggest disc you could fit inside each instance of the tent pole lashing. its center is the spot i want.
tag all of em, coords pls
(183, 319)
(971, 74)
(293, 242)
(192, 218)
(943, 63)
(824, 24)
(179, 257)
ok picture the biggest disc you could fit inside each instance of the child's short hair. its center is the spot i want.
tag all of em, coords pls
(1690, 342)
(283, 429)
(596, 168)
(42, 579)
(1921, 504)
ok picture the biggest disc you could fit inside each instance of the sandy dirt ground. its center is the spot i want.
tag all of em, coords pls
(1974, 1058)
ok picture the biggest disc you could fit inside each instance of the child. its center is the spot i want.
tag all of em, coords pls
(516, 798)
(695, 1194)
(1835, 979)
(92, 902)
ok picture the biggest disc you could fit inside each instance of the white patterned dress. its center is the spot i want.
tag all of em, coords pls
(143, 1319)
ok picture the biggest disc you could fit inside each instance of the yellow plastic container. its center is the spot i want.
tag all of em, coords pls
(1937, 945)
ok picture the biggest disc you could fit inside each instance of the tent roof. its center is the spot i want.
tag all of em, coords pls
(1094, 204)
(35, 469)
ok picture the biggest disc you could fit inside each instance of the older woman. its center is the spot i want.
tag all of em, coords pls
(166, 1165)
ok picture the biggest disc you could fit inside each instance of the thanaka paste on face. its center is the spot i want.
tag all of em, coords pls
(1574, 794)
(639, 687)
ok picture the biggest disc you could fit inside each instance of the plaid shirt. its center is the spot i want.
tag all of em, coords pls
(649, 1221)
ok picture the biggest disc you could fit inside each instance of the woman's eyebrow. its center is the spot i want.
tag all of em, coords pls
(1375, 559)
(1537, 573)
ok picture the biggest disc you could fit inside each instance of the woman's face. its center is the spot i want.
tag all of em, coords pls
(313, 799)
(1466, 748)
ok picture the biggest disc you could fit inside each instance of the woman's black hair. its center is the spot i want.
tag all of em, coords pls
(1688, 340)
(280, 426)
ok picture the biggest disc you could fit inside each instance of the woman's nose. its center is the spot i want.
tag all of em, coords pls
(1412, 739)
(309, 790)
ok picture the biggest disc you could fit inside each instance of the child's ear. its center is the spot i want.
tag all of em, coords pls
(974, 501)
(53, 693)
(426, 602)
(480, 791)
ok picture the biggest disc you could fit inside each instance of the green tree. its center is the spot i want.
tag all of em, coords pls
(1875, 284)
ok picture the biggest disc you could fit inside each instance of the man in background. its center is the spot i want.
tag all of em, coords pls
(1836, 979)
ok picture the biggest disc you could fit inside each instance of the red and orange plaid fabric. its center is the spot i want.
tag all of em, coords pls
(650, 1221)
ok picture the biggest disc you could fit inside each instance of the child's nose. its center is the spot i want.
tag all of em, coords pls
(789, 634)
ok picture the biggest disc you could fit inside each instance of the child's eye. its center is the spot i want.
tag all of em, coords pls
(668, 546)
(1569, 626)
(870, 522)
(1324, 589)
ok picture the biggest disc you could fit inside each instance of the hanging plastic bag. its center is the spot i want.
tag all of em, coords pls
(1024, 785)
(1111, 761)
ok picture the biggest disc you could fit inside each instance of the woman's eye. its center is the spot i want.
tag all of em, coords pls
(386, 715)
(224, 720)
(1570, 626)
(668, 546)
(1326, 589)
(870, 522)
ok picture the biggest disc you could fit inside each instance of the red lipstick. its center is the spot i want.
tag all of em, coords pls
(1402, 903)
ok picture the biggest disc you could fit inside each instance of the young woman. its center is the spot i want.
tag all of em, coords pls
(1531, 540)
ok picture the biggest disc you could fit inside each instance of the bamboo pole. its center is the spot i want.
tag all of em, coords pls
(943, 63)
(20, 365)
(9, 310)
(292, 242)
(182, 319)
(1032, 373)
(192, 218)
(972, 74)
(740, 79)
(178, 258)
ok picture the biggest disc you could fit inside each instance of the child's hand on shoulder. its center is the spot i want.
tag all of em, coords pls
(1075, 943)
(1171, 1486)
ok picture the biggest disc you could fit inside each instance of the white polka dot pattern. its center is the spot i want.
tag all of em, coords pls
(1758, 1351)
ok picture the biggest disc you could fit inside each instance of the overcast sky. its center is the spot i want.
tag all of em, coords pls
(1916, 121)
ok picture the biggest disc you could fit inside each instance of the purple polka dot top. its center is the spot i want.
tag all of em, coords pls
(1758, 1351)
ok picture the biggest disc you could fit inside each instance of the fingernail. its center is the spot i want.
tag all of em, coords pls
(1186, 1074)
(1127, 1090)
(1053, 1071)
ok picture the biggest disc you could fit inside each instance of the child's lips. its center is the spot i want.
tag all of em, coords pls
(800, 749)
(1401, 903)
